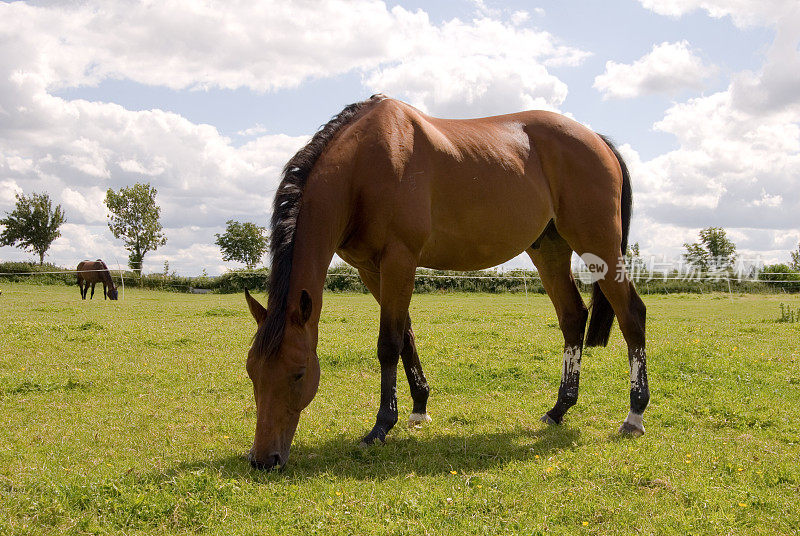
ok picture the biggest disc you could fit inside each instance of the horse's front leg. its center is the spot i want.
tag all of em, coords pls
(104, 290)
(396, 285)
(414, 373)
(92, 295)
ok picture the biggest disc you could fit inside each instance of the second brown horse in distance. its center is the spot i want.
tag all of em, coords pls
(388, 189)
(93, 272)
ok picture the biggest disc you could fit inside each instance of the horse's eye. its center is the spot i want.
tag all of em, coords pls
(298, 376)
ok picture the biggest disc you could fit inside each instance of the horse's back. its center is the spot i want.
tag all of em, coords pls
(89, 270)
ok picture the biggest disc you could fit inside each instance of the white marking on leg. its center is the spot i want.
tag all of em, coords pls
(417, 377)
(635, 420)
(635, 363)
(572, 361)
(417, 419)
(637, 359)
(633, 424)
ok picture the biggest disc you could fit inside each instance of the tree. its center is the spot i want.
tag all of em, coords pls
(33, 224)
(795, 264)
(244, 242)
(134, 219)
(714, 251)
(634, 262)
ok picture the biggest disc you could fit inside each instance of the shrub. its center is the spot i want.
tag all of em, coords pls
(788, 315)
(782, 277)
(344, 278)
(9, 271)
(238, 280)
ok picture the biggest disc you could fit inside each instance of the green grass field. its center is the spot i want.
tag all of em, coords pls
(133, 417)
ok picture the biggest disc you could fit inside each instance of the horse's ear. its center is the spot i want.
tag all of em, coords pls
(305, 307)
(256, 309)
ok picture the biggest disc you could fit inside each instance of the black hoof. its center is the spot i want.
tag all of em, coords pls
(375, 437)
(631, 429)
(548, 420)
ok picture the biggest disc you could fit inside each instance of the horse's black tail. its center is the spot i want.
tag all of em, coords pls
(602, 314)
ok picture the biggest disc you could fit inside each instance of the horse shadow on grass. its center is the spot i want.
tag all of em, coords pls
(422, 456)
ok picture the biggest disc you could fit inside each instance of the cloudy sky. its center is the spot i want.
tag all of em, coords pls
(207, 101)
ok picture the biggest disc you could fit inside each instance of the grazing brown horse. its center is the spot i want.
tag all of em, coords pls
(388, 189)
(92, 272)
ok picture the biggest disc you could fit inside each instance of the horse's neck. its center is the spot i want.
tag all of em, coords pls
(321, 226)
(309, 269)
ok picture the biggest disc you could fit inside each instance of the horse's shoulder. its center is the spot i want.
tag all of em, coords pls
(383, 133)
(388, 117)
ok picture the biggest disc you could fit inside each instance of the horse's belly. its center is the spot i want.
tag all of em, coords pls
(484, 217)
(479, 243)
(441, 255)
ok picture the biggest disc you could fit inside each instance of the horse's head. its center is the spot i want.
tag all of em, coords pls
(112, 294)
(283, 383)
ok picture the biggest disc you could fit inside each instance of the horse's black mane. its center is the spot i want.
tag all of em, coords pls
(285, 209)
(106, 275)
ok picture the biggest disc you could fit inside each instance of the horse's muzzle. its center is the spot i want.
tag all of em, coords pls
(273, 461)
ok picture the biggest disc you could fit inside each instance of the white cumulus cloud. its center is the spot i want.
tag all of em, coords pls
(75, 150)
(743, 12)
(486, 66)
(731, 169)
(667, 68)
(737, 164)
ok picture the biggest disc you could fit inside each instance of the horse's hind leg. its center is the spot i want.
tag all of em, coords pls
(417, 383)
(416, 379)
(92, 296)
(552, 259)
(631, 314)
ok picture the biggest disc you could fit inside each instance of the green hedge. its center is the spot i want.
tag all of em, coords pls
(237, 281)
(344, 278)
(781, 276)
(18, 272)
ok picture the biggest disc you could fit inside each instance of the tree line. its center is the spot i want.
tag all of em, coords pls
(133, 217)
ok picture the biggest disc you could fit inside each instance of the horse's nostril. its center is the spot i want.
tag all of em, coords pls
(275, 460)
(270, 462)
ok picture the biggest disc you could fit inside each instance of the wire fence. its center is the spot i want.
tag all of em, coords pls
(343, 278)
